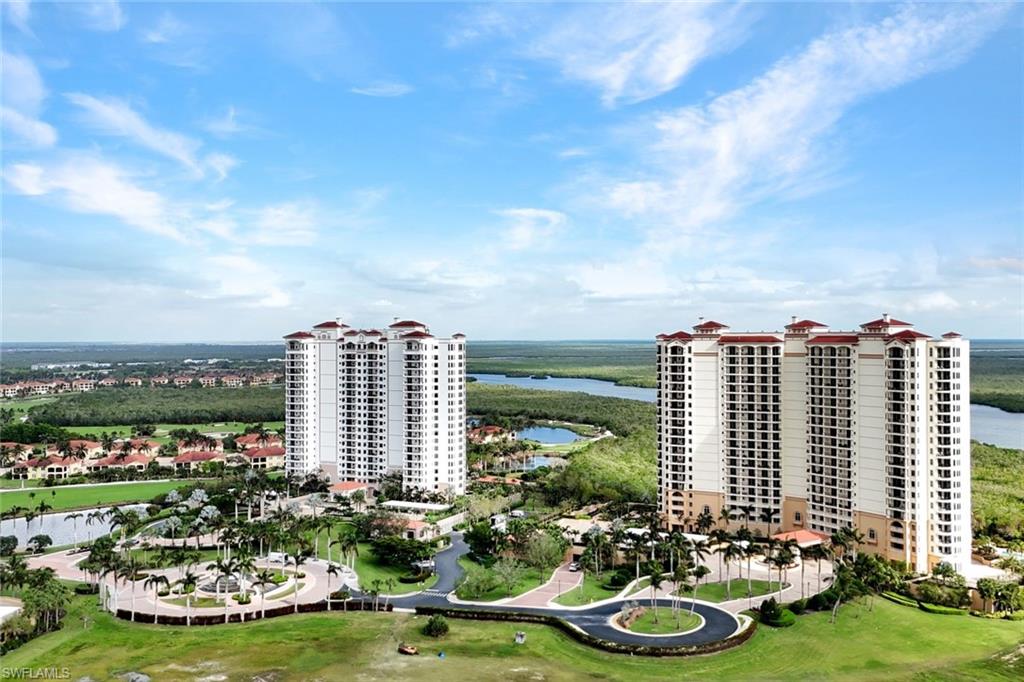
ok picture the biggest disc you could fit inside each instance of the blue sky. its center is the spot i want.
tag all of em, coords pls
(236, 172)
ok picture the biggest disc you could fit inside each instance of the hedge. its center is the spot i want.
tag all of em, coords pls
(900, 599)
(209, 619)
(591, 640)
(785, 620)
(943, 610)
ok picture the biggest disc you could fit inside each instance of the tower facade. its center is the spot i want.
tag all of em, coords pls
(361, 403)
(816, 429)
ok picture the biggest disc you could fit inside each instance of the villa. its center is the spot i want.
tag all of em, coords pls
(265, 458)
(137, 462)
(195, 460)
(254, 440)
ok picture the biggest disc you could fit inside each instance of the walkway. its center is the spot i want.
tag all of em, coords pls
(561, 581)
(595, 620)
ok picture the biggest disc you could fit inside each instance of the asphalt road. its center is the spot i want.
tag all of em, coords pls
(718, 623)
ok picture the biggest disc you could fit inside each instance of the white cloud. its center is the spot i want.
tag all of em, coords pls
(1005, 263)
(102, 15)
(287, 224)
(384, 89)
(241, 277)
(629, 52)
(936, 300)
(573, 153)
(115, 117)
(89, 185)
(23, 95)
(23, 87)
(33, 132)
(763, 139)
(17, 12)
(166, 30)
(226, 125)
(221, 164)
(529, 227)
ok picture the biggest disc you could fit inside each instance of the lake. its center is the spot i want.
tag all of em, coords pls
(547, 435)
(61, 531)
(988, 424)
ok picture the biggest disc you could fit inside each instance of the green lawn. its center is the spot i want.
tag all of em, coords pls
(369, 569)
(17, 483)
(531, 579)
(21, 405)
(890, 642)
(667, 623)
(163, 429)
(590, 590)
(67, 498)
(716, 592)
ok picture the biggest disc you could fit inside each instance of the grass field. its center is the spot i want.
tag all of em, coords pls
(666, 623)
(67, 498)
(163, 429)
(888, 643)
(530, 579)
(717, 592)
(589, 591)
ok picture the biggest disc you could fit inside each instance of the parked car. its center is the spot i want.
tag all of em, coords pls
(574, 566)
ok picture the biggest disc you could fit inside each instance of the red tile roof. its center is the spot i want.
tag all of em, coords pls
(750, 338)
(710, 326)
(417, 335)
(345, 486)
(851, 339)
(204, 456)
(458, 335)
(408, 323)
(270, 451)
(114, 460)
(803, 537)
(329, 324)
(679, 336)
(907, 335)
(805, 324)
(254, 439)
(299, 335)
(880, 322)
(952, 335)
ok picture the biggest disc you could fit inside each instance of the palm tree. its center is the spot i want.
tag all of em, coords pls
(679, 577)
(262, 579)
(782, 559)
(699, 571)
(748, 511)
(769, 551)
(332, 571)
(156, 581)
(244, 563)
(301, 556)
(768, 516)
(389, 585)
(657, 578)
(188, 582)
(720, 540)
(222, 569)
(73, 517)
(732, 552)
(855, 539)
(725, 516)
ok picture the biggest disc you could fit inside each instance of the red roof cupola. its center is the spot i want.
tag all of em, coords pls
(883, 322)
(330, 324)
(907, 335)
(804, 325)
(675, 336)
(299, 335)
(709, 327)
(952, 335)
(407, 323)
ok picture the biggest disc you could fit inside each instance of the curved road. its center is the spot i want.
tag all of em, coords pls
(594, 620)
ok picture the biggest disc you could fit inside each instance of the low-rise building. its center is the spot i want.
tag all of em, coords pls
(349, 488)
(265, 458)
(207, 381)
(137, 462)
(489, 434)
(107, 382)
(48, 467)
(60, 386)
(195, 460)
(35, 388)
(9, 390)
(182, 381)
(76, 446)
(83, 385)
(254, 440)
(133, 381)
(160, 381)
(232, 381)
(16, 451)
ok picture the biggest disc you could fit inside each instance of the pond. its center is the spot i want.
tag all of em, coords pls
(547, 435)
(60, 529)
(988, 424)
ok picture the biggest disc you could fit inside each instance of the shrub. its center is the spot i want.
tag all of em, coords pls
(1014, 615)
(943, 610)
(437, 626)
(242, 598)
(900, 599)
(817, 603)
(799, 606)
(769, 610)
(786, 618)
(411, 578)
(86, 588)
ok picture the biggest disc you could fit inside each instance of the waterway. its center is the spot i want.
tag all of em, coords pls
(547, 435)
(988, 424)
(60, 529)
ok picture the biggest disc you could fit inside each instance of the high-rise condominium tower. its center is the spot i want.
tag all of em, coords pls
(818, 429)
(361, 403)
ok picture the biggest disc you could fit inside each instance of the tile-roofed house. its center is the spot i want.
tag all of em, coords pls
(253, 440)
(194, 460)
(271, 457)
(136, 461)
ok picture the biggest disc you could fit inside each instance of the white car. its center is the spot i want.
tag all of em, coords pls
(574, 567)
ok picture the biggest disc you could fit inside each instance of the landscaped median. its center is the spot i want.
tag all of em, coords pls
(590, 640)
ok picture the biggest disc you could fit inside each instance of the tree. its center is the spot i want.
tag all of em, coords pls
(223, 570)
(699, 572)
(37, 543)
(73, 517)
(542, 551)
(298, 559)
(156, 581)
(732, 552)
(263, 579)
(509, 572)
(436, 626)
(188, 582)
(720, 540)
(781, 560)
(332, 571)
(657, 579)
(943, 572)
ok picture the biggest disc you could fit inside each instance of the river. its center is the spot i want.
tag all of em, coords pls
(988, 424)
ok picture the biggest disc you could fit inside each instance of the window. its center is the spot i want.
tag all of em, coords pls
(798, 517)
(872, 535)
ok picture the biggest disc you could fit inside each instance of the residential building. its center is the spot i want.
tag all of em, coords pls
(86, 448)
(195, 460)
(182, 381)
(160, 381)
(254, 440)
(817, 429)
(53, 466)
(10, 390)
(107, 382)
(361, 403)
(232, 381)
(133, 381)
(207, 381)
(138, 462)
(83, 385)
(35, 388)
(490, 434)
(271, 457)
